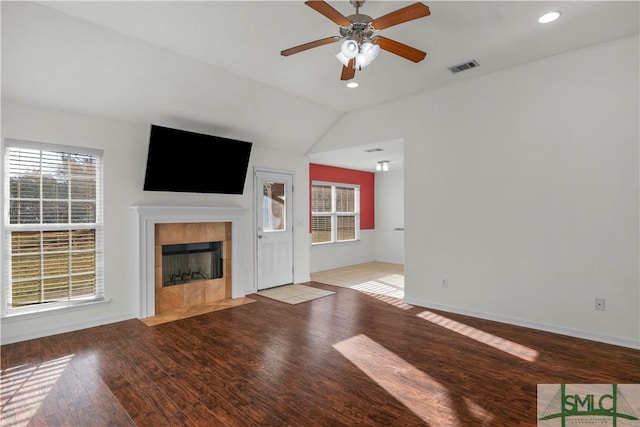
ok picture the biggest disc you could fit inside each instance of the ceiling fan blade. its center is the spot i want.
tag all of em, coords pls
(309, 45)
(409, 13)
(349, 71)
(327, 10)
(400, 49)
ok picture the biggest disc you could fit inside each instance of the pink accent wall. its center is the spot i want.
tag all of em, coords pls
(366, 181)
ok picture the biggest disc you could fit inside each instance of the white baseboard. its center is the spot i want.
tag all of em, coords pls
(60, 329)
(623, 342)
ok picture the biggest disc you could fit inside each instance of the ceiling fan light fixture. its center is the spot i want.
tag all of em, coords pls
(362, 61)
(370, 50)
(349, 48)
(352, 85)
(345, 61)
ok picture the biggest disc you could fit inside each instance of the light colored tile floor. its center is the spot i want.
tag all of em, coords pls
(374, 277)
(294, 294)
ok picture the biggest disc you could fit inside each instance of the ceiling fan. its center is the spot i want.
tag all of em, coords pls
(361, 42)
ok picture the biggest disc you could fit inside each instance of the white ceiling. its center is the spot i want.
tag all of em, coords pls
(215, 66)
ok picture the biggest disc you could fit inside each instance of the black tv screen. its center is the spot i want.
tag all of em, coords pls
(183, 161)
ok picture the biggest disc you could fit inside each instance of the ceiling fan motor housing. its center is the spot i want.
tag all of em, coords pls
(360, 29)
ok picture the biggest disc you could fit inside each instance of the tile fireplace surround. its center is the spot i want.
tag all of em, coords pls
(149, 216)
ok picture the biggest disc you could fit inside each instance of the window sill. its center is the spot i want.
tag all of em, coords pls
(335, 243)
(38, 312)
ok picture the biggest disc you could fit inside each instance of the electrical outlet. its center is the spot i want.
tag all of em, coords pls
(599, 304)
(445, 283)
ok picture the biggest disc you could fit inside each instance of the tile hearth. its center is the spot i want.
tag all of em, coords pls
(196, 310)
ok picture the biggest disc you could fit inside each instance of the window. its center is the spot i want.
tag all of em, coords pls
(335, 212)
(53, 226)
(273, 206)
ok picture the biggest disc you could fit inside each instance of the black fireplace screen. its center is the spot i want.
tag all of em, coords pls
(191, 262)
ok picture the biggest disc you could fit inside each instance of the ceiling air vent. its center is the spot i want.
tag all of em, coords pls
(373, 150)
(464, 66)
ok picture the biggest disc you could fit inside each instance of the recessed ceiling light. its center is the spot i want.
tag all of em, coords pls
(549, 17)
(352, 85)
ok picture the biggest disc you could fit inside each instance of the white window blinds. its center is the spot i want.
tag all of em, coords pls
(53, 231)
(335, 215)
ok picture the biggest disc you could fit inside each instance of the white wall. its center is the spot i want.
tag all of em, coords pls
(335, 255)
(389, 198)
(522, 189)
(125, 151)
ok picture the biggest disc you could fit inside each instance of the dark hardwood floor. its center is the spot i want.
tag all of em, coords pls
(341, 360)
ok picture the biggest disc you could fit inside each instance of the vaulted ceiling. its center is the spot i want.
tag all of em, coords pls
(215, 66)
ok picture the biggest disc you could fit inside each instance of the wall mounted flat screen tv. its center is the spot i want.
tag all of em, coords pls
(183, 161)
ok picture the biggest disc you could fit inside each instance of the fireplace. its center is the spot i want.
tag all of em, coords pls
(190, 260)
(185, 226)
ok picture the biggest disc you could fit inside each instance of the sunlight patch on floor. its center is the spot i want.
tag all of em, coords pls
(25, 387)
(392, 285)
(419, 392)
(396, 302)
(479, 412)
(494, 341)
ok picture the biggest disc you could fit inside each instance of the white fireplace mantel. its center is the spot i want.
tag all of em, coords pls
(149, 216)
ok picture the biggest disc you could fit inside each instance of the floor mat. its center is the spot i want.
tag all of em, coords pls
(294, 294)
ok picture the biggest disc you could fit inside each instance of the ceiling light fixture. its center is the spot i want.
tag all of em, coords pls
(364, 53)
(549, 17)
(352, 85)
(382, 166)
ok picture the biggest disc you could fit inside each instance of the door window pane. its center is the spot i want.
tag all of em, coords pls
(273, 206)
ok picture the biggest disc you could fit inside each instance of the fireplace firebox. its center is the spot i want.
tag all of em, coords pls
(190, 262)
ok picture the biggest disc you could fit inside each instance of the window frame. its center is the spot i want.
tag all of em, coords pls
(6, 310)
(334, 214)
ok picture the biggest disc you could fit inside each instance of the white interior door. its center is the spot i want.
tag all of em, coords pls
(274, 228)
